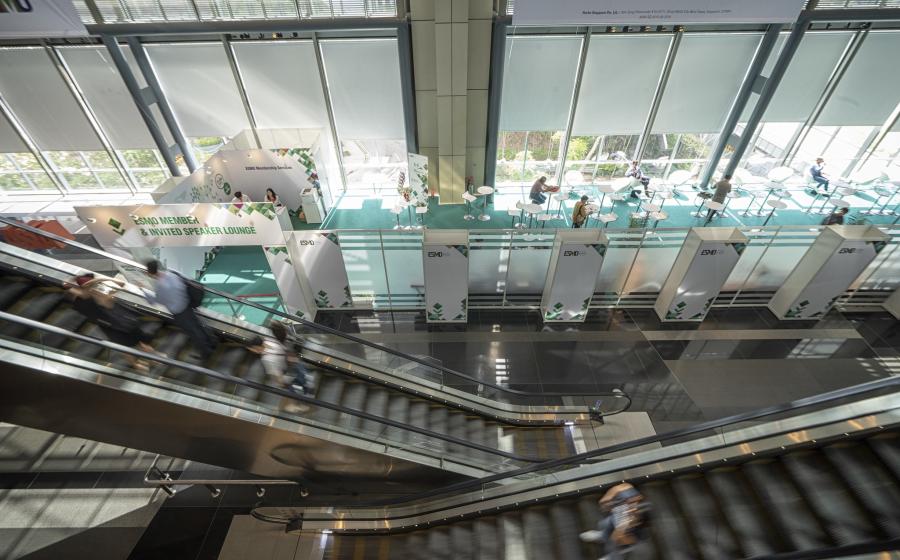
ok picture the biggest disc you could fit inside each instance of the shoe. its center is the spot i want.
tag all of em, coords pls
(300, 390)
(591, 536)
(296, 408)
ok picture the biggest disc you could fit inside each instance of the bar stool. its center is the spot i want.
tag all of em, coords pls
(704, 197)
(605, 219)
(664, 195)
(605, 190)
(731, 196)
(397, 210)
(470, 199)
(658, 217)
(514, 213)
(838, 203)
(718, 207)
(420, 214)
(882, 192)
(561, 198)
(678, 178)
(616, 197)
(650, 208)
(815, 199)
(484, 192)
(543, 218)
(775, 205)
(532, 210)
(754, 192)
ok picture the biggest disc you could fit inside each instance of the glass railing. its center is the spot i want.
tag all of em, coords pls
(47, 348)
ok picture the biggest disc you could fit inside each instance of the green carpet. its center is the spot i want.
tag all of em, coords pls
(244, 272)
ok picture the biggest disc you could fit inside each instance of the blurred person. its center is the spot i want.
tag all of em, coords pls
(836, 218)
(818, 174)
(627, 517)
(538, 189)
(272, 198)
(723, 187)
(581, 212)
(118, 324)
(283, 366)
(171, 291)
(239, 199)
(635, 172)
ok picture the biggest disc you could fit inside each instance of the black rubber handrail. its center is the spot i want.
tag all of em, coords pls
(311, 324)
(32, 324)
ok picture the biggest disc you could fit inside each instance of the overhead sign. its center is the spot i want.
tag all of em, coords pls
(183, 225)
(654, 12)
(39, 18)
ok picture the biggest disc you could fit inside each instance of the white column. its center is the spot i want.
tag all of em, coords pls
(835, 259)
(295, 299)
(446, 266)
(574, 266)
(320, 268)
(701, 268)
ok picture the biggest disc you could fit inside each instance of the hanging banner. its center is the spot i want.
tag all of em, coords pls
(321, 264)
(286, 279)
(182, 225)
(570, 283)
(654, 12)
(446, 268)
(418, 178)
(25, 19)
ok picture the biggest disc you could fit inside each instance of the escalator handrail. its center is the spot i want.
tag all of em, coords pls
(311, 324)
(32, 324)
(821, 398)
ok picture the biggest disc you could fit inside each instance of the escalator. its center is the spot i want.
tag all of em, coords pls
(822, 484)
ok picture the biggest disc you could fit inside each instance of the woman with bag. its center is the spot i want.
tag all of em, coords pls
(283, 367)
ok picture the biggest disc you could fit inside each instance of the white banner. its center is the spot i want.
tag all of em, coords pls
(446, 282)
(654, 12)
(569, 295)
(286, 279)
(709, 269)
(182, 225)
(39, 18)
(321, 263)
(833, 279)
(418, 178)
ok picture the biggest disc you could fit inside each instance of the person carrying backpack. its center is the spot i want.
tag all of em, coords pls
(625, 524)
(172, 292)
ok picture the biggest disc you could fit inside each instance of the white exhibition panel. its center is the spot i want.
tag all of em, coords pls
(99, 80)
(834, 260)
(806, 76)
(320, 266)
(446, 266)
(618, 83)
(200, 87)
(867, 93)
(706, 74)
(364, 84)
(10, 143)
(293, 296)
(538, 82)
(703, 265)
(38, 96)
(282, 82)
(654, 12)
(182, 225)
(574, 266)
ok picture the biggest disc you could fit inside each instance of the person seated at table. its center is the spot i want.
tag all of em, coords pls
(836, 218)
(239, 199)
(635, 172)
(539, 188)
(581, 212)
(816, 170)
(723, 187)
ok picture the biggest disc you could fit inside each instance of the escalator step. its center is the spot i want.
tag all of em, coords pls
(492, 434)
(376, 405)
(476, 431)
(844, 519)
(354, 397)
(566, 526)
(538, 532)
(438, 543)
(872, 484)
(667, 523)
(714, 537)
(461, 540)
(887, 447)
(456, 427)
(86, 350)
(12, 288)
(418, 414)
(787, 507)
(255, 373)
(229, 361)
(512, 536)
(437, 422)
(416, 548)
(36, 305)
(398, 410)
(330, 390)
(171, 343)
(589, 513)
(63, 317)
(488, 539)
(742, 510)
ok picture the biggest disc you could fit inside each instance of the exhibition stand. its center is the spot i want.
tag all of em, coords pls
(574, 266)
(445, 256)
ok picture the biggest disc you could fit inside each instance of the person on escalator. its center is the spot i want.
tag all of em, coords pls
(627, 515)
(283, 367)
(171, 291)
(118, 324)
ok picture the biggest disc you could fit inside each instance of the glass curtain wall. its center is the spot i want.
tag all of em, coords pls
(538, 84)
(19, 169)
(42, 102)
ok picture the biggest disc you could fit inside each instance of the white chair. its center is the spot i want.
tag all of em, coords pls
(420, 213)
(514, 213)
(397, 210)
(658, 217)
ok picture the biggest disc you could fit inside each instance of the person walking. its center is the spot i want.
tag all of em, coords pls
(170, 290)
(723, 187)
(817, 171)
(283, 367)
(635, 172)
(581, 212)
(836, 218)
(627, 517)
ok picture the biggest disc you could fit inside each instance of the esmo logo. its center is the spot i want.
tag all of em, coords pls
(709, 252)
(15, 6)
(572, 253)
(435, 254)
(847, 251)
(305, 242)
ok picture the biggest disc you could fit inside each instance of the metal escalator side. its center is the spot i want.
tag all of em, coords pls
(458, 385)
(817, 478)
(190, 411)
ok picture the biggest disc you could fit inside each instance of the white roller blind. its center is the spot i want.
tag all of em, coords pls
(109, 99)
(620, 77)
(282, 83)
(200, 87)
(868, 90)
(43, 103)
(364, 84)
(538, 80)
(705, 78)
(10, 143)
(806, 76)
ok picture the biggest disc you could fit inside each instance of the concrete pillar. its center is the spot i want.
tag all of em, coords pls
(451, 63)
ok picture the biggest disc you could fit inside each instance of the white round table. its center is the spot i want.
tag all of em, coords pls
(774, 205)
(658, 216)
(605, 190)
(543, 218)
(652, 208)
(532, 210)
(561, 197)
(605, 219)
(664, 195)
(485, 192)
(713, 209)
(679, 177)
(470, 199)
